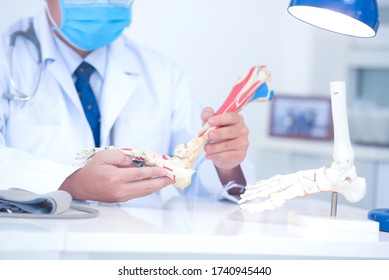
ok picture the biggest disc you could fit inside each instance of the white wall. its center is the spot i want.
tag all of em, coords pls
(217, 41)
(12, 9)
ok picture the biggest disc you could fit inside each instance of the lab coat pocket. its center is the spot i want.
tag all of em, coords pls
(37, 113)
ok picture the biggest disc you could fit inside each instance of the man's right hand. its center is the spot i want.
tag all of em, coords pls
(111, 176)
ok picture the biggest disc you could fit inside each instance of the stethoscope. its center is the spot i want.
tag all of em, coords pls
(15, 92)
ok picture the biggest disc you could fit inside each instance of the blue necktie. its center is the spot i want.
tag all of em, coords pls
(88, 99)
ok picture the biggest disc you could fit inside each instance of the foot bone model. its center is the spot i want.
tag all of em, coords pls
(341, 177)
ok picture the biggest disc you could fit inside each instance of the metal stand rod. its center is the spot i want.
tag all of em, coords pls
(334, 204)
(343, 154)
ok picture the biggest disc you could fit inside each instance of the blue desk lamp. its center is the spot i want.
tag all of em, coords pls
(357, 18)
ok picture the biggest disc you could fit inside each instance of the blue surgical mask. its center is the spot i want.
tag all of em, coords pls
(89, 26)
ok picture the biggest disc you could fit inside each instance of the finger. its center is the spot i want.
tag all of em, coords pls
(140, 173)
(237, 145)
(238, 131)
(222, 133)
(113, 157)
(206, 114)
(145, 187)
(225, 119)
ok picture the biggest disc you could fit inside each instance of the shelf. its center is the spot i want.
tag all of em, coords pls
(323, 148)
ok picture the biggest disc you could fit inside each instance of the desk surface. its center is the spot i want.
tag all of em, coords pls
(182, 228)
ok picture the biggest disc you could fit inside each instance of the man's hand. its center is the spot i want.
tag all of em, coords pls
(227, 145)
(110, 176)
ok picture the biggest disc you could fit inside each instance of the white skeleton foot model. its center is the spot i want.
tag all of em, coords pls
(280, 188)
(251, 87)
(180, 174)
(341, 177)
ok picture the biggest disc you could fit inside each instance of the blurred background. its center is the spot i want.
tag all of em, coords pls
(216, 41)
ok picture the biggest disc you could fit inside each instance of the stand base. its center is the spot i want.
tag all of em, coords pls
(329, 223)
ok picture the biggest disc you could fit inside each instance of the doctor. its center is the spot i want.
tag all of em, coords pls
(141, 101)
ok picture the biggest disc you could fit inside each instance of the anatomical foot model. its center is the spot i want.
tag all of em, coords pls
(341, 177)
(177, 171)
(251, 87)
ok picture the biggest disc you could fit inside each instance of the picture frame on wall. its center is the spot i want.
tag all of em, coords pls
(302, 117)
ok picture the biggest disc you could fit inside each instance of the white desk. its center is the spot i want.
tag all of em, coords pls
(183, 229)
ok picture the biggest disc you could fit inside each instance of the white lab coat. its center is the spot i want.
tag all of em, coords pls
(145, 103)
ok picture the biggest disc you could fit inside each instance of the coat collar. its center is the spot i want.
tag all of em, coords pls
(119, 85)
(52, 60)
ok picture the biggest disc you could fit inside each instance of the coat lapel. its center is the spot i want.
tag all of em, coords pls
(53, 61)
(119, 85)
(66, 82)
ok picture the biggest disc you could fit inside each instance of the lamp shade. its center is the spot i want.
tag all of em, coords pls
(357, 18)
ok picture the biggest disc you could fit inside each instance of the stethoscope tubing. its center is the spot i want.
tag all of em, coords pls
(29, 34)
